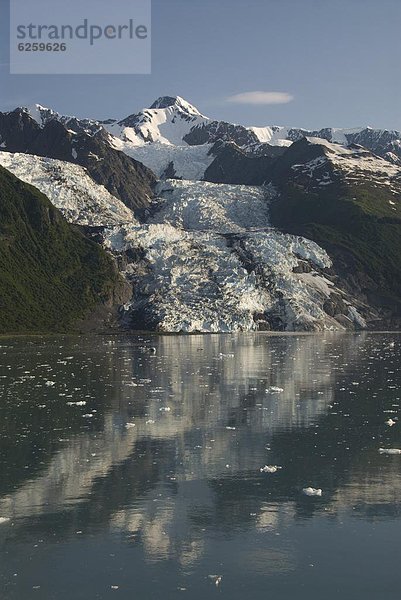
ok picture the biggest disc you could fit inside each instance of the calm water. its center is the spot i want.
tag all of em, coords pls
(153, 487)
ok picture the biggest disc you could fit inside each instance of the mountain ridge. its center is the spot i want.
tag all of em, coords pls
(337, 189)
(269, 134)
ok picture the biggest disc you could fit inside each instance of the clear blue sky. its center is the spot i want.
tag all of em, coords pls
(339, 59)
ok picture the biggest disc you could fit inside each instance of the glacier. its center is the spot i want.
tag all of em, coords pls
(70, 189)
(208, 261)
(188, 162)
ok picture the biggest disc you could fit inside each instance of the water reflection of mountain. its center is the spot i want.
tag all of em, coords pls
(194, 468)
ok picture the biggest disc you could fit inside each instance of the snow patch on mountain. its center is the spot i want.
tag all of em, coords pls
(187, 162)
(43, 115)
(275, 136)
(355, 163)
(40, 114)
(70, 189)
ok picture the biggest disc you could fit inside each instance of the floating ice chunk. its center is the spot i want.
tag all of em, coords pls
(129, 425)
(50, 383)
(4, 520)
(310, 491)
(80, 403)
(269, 469)
(165, 409)
(88, 416)
(390, 422)
(231, 428)
(216, 578)
(273, 389)
(389, 451)
(148, 349)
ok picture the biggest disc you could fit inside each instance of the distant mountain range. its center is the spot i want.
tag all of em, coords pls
(220, 227)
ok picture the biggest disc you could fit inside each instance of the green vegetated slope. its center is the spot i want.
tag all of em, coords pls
(50, 274)
(359, 225)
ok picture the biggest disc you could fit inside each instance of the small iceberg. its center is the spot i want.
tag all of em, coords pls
(390, 422)
(310, 491)
(269, 469)
(389, 451)
(273, 389)
(148, 349)
(4, 520)
(216, 578)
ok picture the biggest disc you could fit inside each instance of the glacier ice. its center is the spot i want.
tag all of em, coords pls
(69, 188)
(310, 491)
(210, 262)
(269, 469)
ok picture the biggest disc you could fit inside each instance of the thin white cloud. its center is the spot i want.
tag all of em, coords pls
(261, 98)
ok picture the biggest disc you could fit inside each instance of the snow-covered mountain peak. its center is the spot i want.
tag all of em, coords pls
(175, 102)
(167, 121)
(41, 114)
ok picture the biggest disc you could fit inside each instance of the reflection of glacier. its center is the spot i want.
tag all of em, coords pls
(373, 495)
(209, 383)
(223, 416)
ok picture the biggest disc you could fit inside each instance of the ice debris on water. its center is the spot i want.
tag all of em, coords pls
(148, 349)
(80, 403)
(390, 422)
(216, 578)
(270, 469)
(310, 491)
(4, 520)
(389, 451)
(50, 383)
(273, 389)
